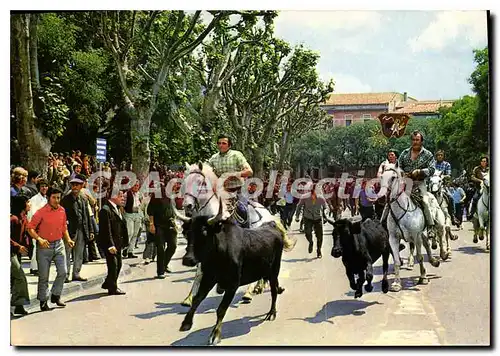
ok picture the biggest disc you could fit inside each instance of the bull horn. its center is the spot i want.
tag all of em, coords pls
(217, 217)
(179, 215)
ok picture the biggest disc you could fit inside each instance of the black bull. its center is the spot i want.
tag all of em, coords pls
(361, 244)
(231, 256)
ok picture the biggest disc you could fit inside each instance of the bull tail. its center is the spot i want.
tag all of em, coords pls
(288, 243)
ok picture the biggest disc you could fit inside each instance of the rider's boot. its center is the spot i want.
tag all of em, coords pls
(242, 211)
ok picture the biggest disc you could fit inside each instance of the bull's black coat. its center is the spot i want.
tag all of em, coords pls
(232, 256)
(361, 244)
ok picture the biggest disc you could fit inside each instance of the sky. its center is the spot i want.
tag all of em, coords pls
(428, 54)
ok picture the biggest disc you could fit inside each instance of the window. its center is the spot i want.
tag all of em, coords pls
(348, 119)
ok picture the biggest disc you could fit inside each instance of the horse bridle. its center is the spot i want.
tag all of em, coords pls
(197, 205)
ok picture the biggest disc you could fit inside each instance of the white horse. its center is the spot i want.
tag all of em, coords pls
(437, 188)
(405, 220)
(482, 219)
(201, 198)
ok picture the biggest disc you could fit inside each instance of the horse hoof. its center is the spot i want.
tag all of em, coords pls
(444, 256)
(475, 239)
(368, 288)
(454, 237)
(385, 286)
(186, 326)
(281, 290)
(434, 262)
(395, 287)
(257, 290)
(214, 339)
(423, 281)
(358, 294)
(410, 266)
(481, 238)
(271, 316)
(434, 245)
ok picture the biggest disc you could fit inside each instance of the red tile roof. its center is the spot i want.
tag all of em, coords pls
(363, 98)
(423, 107)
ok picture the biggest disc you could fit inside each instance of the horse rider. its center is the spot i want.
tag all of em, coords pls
(445, 167)
(418, 164)
(234, 164)
(477, 177)
(392, 157)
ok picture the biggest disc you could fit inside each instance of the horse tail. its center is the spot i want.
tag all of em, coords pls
(288, 244)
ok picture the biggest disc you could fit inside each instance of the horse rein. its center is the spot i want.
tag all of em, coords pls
(195, 197)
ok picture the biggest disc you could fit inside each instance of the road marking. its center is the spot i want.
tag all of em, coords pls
(406, 338)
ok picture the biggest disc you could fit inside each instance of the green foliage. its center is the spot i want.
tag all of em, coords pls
(52, 110)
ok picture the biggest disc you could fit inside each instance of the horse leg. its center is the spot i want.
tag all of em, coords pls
(194, 289)
(411, 260)
(441, 236)
(423, 274)
(487, 239)
(215, 336)
(394, 242)
(425, 241)
(260, 286)
(247, 297)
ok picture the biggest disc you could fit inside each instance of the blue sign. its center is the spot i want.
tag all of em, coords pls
(101, 150)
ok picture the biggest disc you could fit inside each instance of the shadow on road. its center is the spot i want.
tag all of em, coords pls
(140, 280)
(305, 259)
(209, 304)
(88, 297)
(233, 328)
(338, 308)
(184, 280)
(472, 250)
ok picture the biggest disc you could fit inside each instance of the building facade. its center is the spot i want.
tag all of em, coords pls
(348, 109)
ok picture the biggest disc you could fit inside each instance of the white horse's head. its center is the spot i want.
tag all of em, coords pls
(436, 182)
(199, 186)
(390, 179)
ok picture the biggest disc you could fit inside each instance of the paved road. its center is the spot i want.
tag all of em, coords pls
(317, 307)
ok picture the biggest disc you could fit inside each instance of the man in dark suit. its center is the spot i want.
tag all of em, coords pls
(112, 238)
(80, 225)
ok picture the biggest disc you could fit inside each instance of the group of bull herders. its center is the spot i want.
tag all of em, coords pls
(232, 256)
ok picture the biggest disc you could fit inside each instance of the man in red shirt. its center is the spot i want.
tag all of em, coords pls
(48, 227)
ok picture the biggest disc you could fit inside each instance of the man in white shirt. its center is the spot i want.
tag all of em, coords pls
(37, 202)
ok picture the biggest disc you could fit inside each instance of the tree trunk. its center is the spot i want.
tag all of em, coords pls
(35, 74)
(34, 145)
(258, 162)
(140, 123)
(284, 150)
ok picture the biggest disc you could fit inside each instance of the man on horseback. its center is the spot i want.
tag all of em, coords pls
(445, 167)
(477, 177)
(233, 164)
(418, 163)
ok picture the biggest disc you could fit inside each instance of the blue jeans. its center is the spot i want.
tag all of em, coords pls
(44, 256)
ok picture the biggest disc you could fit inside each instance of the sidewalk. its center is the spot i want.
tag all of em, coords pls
(95, 272)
